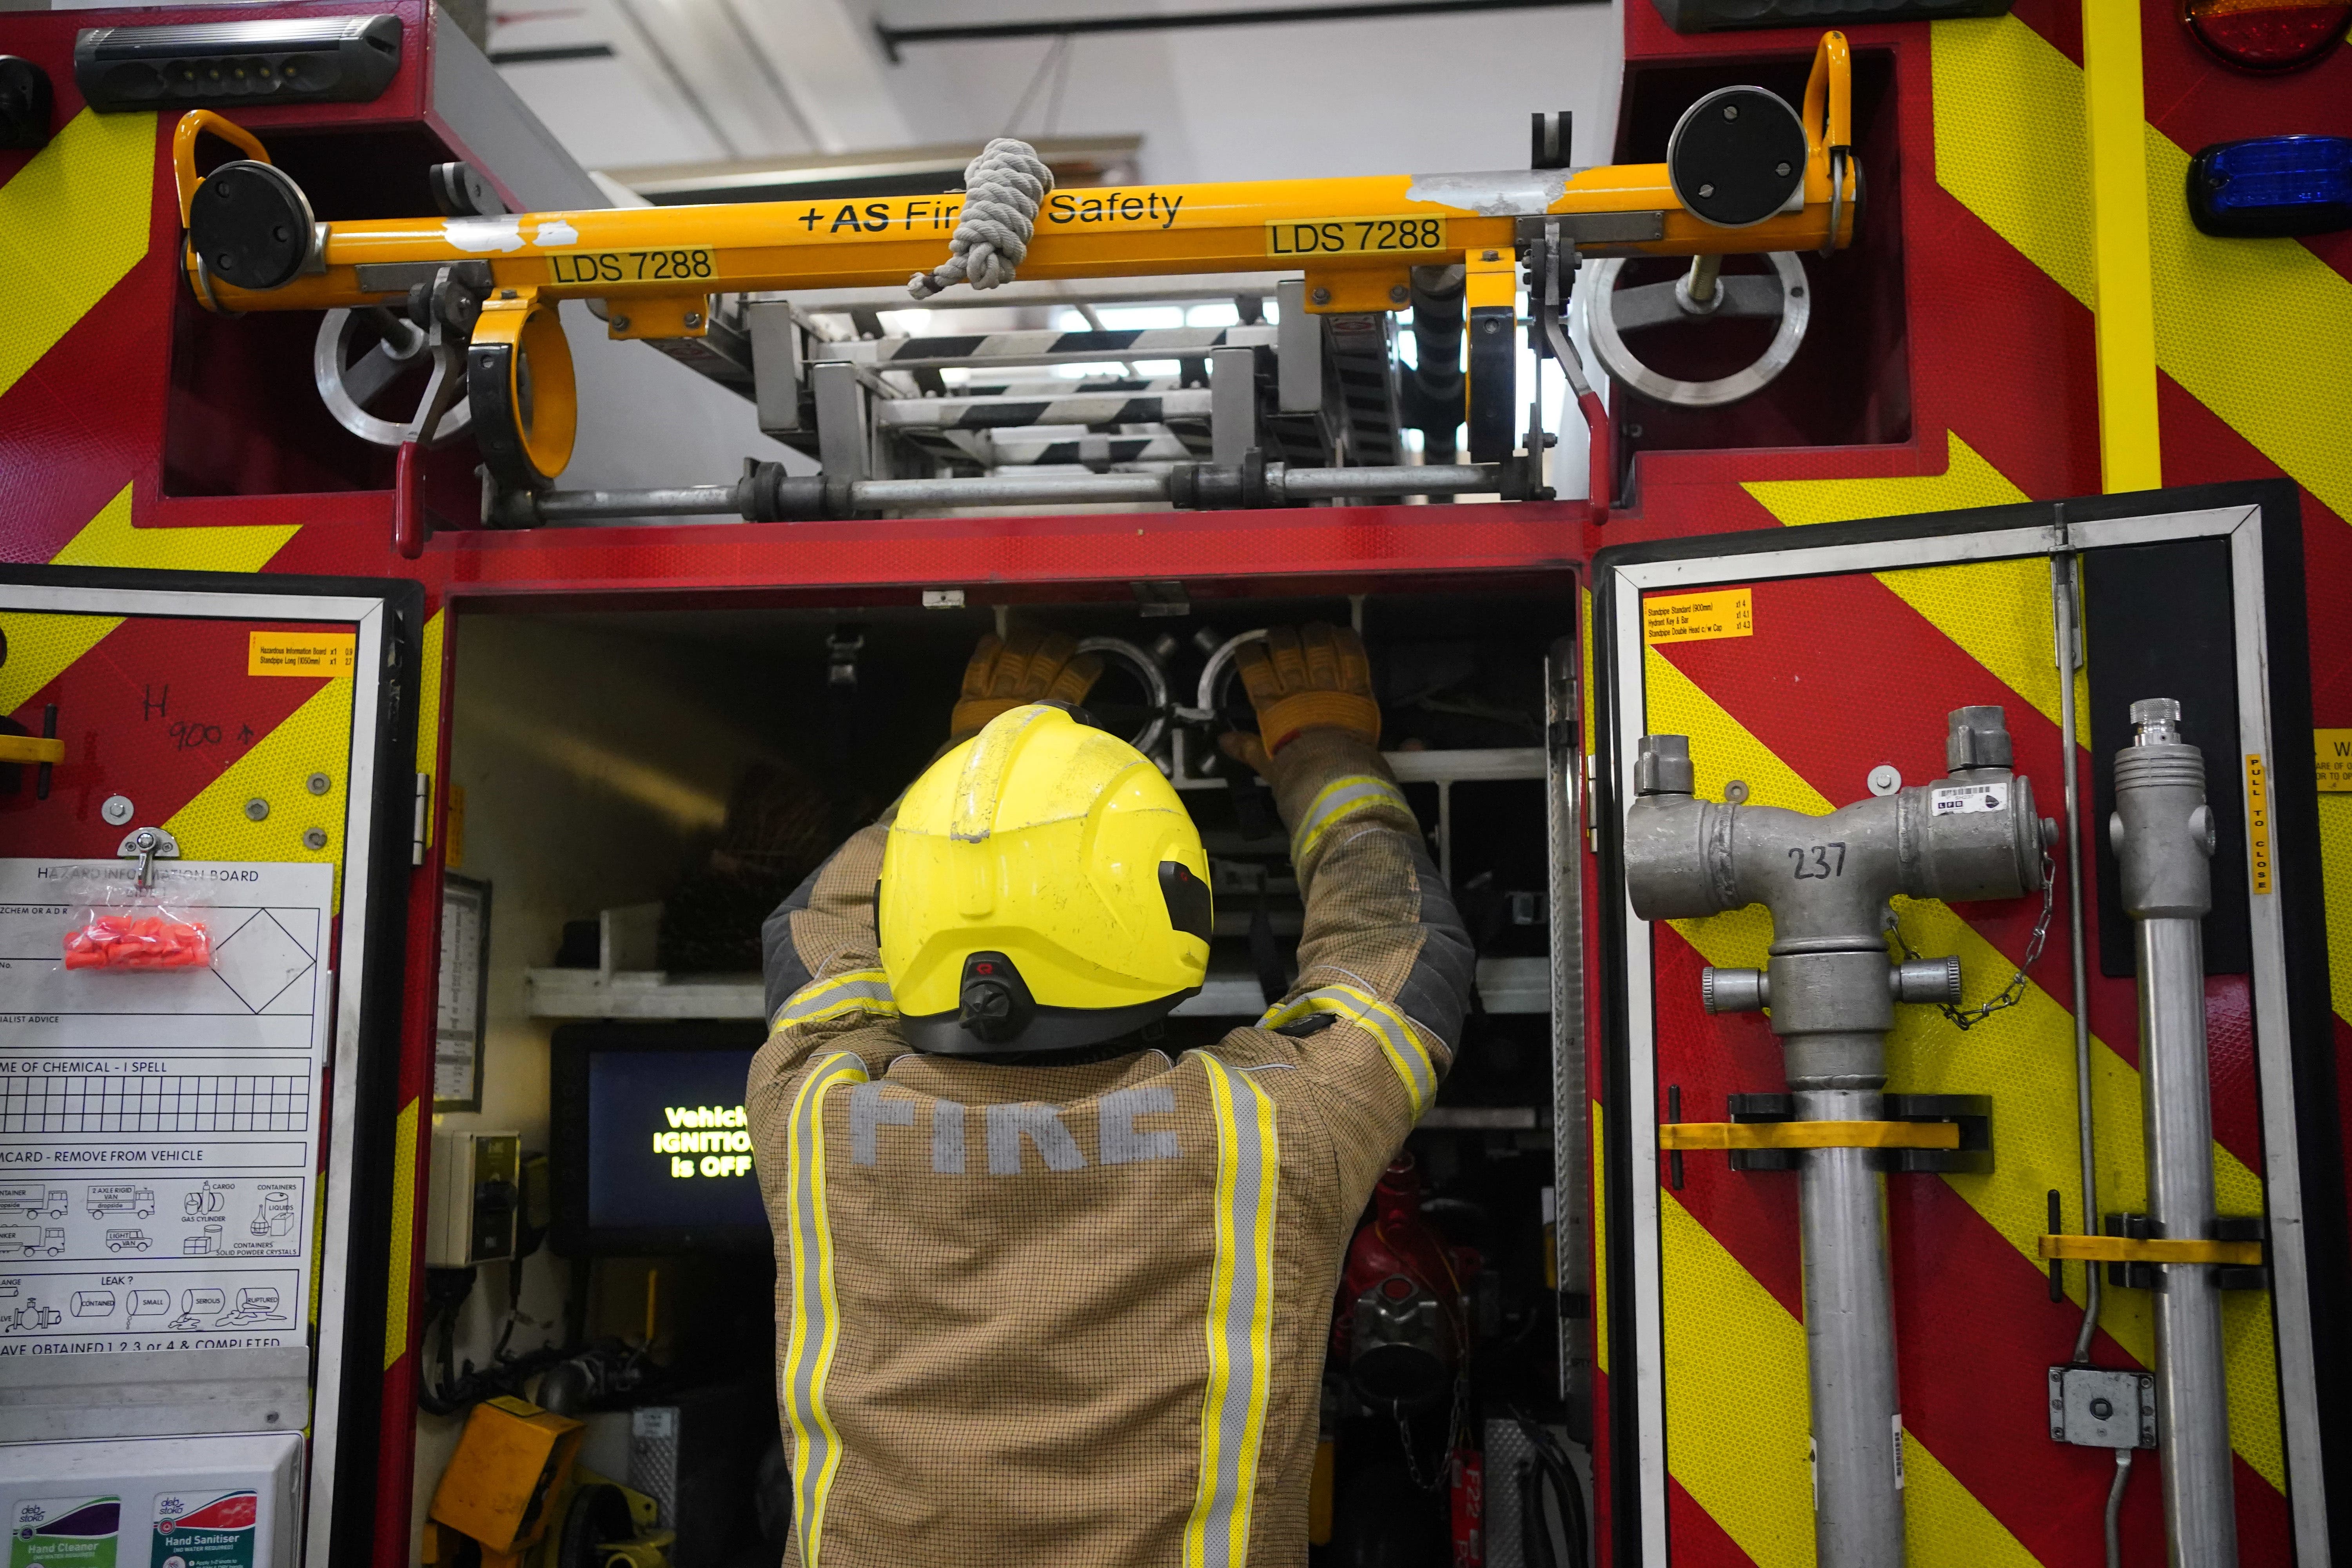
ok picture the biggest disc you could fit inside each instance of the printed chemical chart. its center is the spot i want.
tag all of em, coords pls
(159, 1129)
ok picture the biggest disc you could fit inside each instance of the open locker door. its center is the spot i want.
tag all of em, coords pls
(1876, 1369)
(205, 818)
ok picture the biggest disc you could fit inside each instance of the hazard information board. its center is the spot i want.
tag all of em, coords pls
(159, 1126)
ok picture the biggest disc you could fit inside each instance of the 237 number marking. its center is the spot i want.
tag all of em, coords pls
(1814, 864)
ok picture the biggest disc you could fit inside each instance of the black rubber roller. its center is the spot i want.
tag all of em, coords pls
(26, 104)
(1736, 156)
(251, 225)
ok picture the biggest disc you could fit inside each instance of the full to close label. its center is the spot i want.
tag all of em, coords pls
(302, 653)
(2335, 749)
(1958, 800)
(1700, 617)
(2258, 822)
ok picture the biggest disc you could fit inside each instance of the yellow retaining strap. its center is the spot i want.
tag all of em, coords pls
(1808, 1136)
(2156, 1249)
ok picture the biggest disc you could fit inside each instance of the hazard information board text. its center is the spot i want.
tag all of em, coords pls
(1698, 616)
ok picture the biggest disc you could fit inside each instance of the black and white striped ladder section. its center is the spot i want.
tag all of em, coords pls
(1025, 448)
(988, 351)
(1011, 412)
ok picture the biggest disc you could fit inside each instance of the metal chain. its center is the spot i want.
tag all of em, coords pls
(2010, 995)
(1454, 1425)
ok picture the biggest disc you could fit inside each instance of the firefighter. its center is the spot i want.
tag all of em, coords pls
(1047, 1293)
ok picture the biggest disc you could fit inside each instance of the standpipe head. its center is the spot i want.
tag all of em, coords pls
(1977, 738)
(2156, 721)
(1661, 765)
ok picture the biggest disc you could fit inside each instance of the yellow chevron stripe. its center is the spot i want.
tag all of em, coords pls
(316, 738)
(1592, 733)
(428, 714)
(2235, 319)
(2011, 144)
(2023, 1056)
(404, 1227)
(2335, 877)
(1997, 611)
(73, 220)
(1736, 1416)
(41, 646)
(1943, 1523)
(1737, 1408)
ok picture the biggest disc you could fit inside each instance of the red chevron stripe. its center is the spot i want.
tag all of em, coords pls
(157, 710)
(1752, 1216)
(1976, 1334)
(1698, 1540)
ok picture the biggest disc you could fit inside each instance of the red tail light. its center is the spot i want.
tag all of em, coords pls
(2267, 35)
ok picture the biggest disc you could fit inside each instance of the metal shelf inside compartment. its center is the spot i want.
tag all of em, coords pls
(1505, 985)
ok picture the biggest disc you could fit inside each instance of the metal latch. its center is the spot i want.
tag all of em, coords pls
(147, 846)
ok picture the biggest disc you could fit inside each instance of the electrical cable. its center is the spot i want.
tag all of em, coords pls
(1002, 188)
(2067, 649)
(2115, 1508)
(1553, 1462)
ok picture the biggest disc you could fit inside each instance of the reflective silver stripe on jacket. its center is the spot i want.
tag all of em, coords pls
(817, 1317)
(854, 990)
(1240, 1324)
(1340, 799)
(1398, 1042)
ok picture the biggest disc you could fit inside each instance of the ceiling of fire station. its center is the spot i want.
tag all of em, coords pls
(632, 86)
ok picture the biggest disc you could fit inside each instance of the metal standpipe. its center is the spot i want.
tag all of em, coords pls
(2164, 839)
(1832, 989)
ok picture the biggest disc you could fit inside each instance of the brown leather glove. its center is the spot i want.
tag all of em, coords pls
(1313, 676)
(1030, 666)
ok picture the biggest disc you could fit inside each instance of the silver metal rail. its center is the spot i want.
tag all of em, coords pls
(2165, 839)
(813, 496)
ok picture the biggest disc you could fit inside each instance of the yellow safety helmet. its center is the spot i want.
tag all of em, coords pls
(1044, 889)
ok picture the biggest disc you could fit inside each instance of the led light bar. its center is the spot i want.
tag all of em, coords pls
(2272, 186)
(224, 65)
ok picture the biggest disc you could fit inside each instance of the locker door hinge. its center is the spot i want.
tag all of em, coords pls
(424, 814)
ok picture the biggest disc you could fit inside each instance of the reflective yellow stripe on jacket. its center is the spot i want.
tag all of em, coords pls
(855, 990)
(1398, 1042)
(816, 1315)
(1240, 1320)
(1338, 801)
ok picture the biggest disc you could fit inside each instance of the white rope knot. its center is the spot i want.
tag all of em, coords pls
(1002, 189)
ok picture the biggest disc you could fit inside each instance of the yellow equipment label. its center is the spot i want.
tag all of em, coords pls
(2258, 822)
(2335, 749)
(302, 653)
(629, 265)
(1356, 236)
(1700, 617)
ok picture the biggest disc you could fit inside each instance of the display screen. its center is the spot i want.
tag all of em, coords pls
(667, 1147)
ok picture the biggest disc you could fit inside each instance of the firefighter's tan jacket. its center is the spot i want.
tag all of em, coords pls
(1038, 1316)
